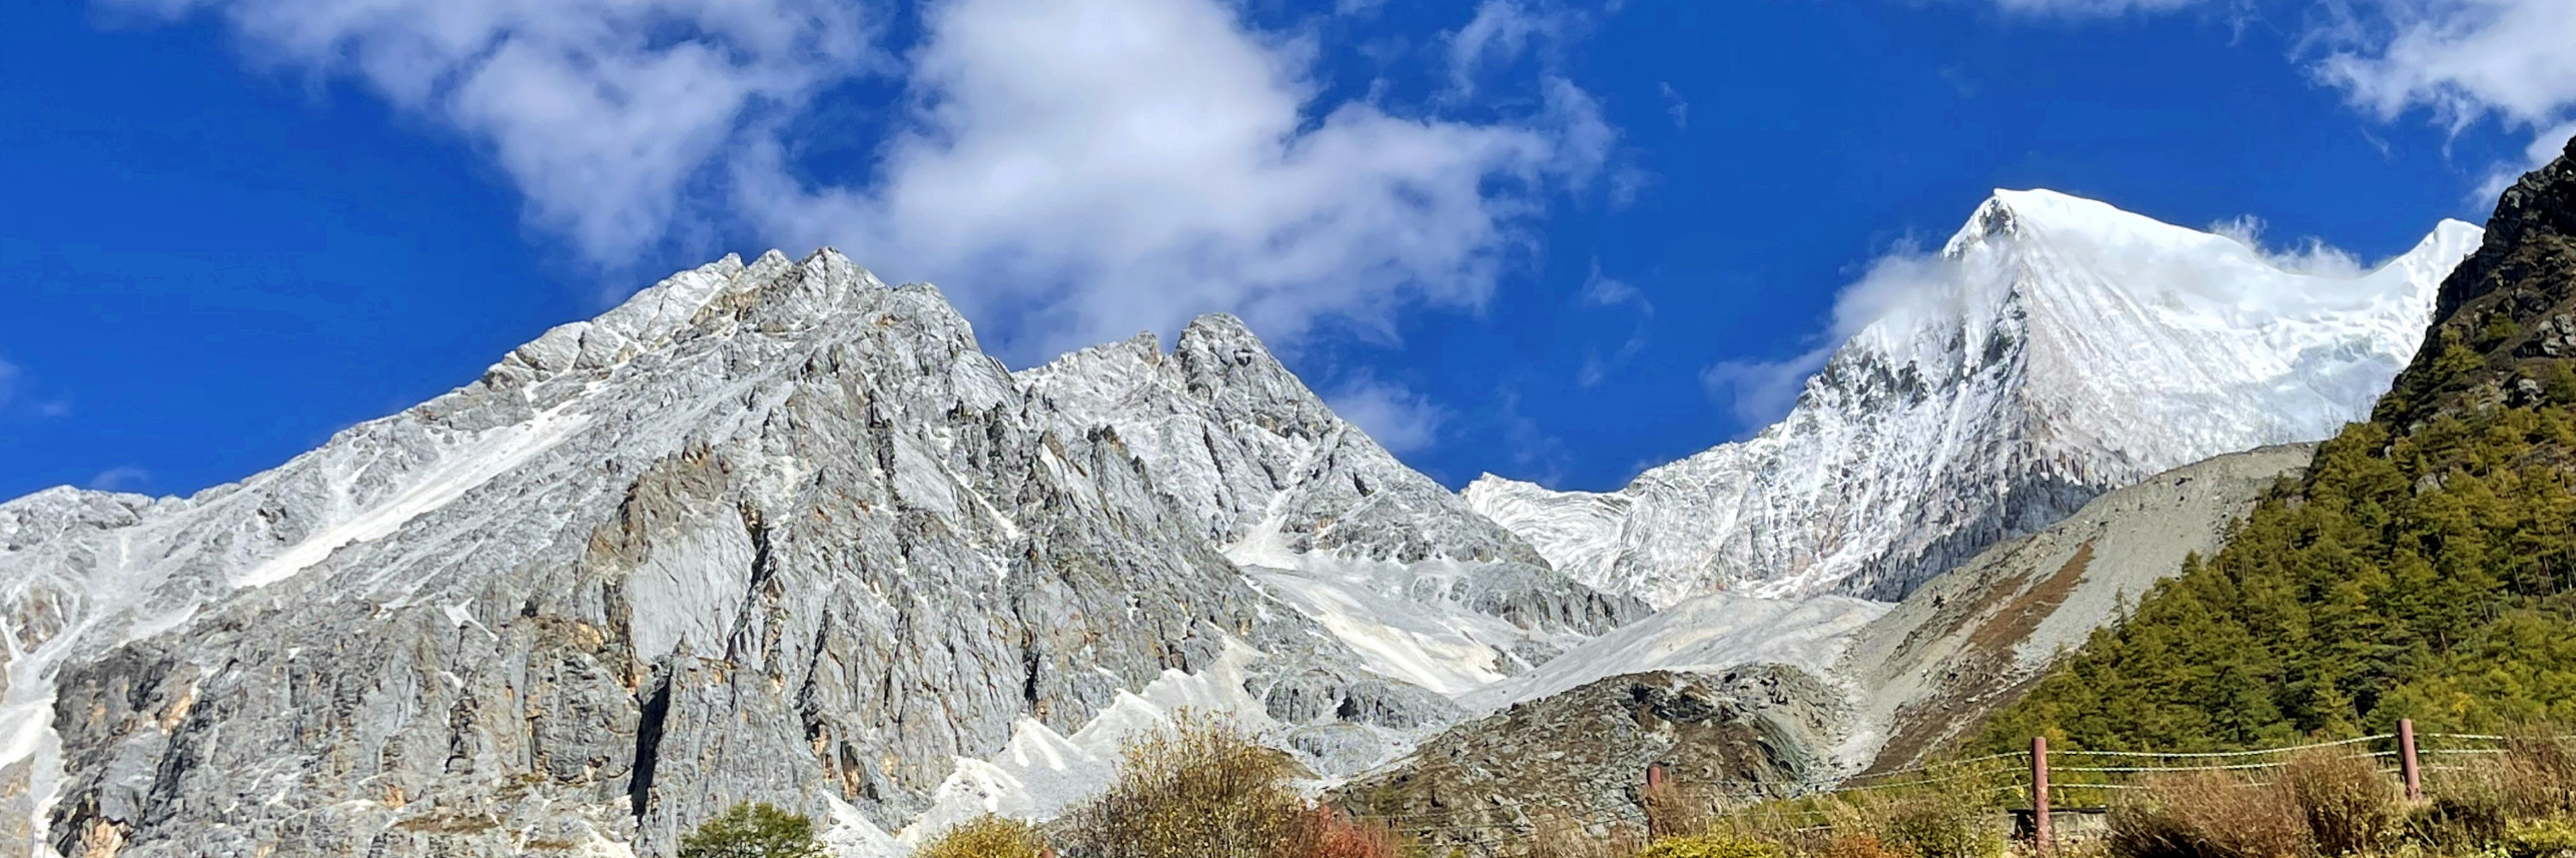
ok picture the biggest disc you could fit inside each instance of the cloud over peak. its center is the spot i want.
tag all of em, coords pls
(1067, 169)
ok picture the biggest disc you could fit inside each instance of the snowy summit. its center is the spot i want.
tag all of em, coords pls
(2055, 348)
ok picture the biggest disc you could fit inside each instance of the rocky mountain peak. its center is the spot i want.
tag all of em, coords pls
(2057, 348)
(2506, 318)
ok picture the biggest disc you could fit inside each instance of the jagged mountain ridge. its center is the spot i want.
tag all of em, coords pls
(2061, 349)
(772, 531)
(1328, 521)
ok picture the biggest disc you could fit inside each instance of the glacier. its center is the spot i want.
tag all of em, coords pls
(2055, 348)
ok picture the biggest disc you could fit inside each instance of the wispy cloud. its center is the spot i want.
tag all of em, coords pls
(1758, 393)
(1070, 170)
(8, 382)
(1504, 31)
(1600, 290)
(1674, 105)
(1398, 419)
(603, 112)
(2462, 61)
(126, 478)
(2309, 255)
(1903, 286)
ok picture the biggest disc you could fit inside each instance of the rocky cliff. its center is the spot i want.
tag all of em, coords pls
(772, 531)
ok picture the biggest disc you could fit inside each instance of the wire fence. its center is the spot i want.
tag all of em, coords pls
(2036, 784)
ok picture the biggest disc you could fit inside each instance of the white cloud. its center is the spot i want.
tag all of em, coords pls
(1674, 105)
(1081, 168)
(124, 478)
(1904, 281)
(2463, 61)
(603, 112)
(1759, 393)
(1090, 167)
(2309, 255)
(1400, 420)
(8, 381)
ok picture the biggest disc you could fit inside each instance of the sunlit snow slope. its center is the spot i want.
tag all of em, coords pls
(2056, 348)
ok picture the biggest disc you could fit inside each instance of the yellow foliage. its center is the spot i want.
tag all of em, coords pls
(986, 836)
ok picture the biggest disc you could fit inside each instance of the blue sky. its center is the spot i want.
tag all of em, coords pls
(1516, 236)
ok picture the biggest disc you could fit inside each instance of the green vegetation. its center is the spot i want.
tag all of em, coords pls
(2428, 574)
(753, 830)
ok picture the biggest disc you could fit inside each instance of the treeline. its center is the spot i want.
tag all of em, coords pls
(2425, 571)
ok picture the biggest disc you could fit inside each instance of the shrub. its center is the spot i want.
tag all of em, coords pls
(1336, 836)
(1201, 788)
(2547, 839)
(2208, 815)
(1932, 827)
(2350, 805)
(986, 836)
(753, 830)
(1709, 846)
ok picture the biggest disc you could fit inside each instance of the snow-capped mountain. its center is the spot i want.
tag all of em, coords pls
(771, 532)
(2055, 348)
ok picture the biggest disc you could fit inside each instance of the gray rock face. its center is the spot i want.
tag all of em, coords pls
(1971, 641)
(765, 532)
(1573, 764)
(1392, 563)
(1258, 457)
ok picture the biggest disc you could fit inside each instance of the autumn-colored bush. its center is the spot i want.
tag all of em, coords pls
(1333, 835)
(1202, 788)
(986, 836)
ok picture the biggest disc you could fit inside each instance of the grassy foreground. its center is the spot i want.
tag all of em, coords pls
(1206, 790)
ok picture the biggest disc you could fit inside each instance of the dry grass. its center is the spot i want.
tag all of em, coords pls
(1670, 812)
(2532, 780)
(1562, 837)
(2351, 807)
(2209, 815)
(1857, 845)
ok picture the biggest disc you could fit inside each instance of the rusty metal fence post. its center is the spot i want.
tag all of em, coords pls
(2406, 765)
(2043, 837)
